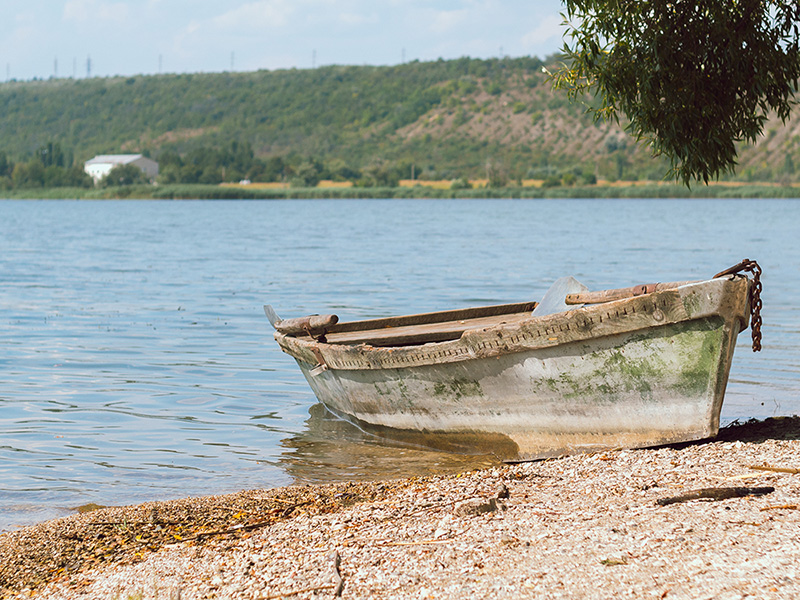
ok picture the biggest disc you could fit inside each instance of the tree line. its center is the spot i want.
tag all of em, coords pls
(49, 167)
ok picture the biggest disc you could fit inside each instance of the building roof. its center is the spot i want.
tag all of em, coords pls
(114, 159)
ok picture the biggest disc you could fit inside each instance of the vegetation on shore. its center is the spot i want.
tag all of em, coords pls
(218, 192)
(498, 120)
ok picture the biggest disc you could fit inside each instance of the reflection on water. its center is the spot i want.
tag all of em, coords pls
(332, 449)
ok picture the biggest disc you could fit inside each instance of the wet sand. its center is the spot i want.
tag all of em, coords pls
(587, 526)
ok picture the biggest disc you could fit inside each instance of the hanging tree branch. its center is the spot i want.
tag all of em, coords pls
(694, 77)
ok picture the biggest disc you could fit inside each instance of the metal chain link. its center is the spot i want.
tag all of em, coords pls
(751, 266)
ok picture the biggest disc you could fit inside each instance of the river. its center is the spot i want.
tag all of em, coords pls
(138, 365)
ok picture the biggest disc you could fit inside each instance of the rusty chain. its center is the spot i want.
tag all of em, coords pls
(750, 266)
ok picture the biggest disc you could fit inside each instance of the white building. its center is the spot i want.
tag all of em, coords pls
(100, 166)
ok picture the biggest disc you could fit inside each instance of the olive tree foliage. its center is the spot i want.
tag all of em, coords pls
(123, 175)
(694, 77)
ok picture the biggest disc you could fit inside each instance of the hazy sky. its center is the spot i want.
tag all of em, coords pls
(125, 37)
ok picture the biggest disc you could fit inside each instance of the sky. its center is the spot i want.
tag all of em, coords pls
(70, 38)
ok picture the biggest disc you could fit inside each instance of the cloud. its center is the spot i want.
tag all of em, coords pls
(261, 14)
(205, 37)
(21, 38)
(549, 28)
(279, 14)
(354, 18)
(445, 21)
(96, 10)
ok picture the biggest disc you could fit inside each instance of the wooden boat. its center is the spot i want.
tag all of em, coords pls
(633, 367)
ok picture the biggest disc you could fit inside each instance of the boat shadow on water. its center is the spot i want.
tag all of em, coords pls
(334, 449)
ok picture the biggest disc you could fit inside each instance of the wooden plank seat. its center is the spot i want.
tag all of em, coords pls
(426, 327)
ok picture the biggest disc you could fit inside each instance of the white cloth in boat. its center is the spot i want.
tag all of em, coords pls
(554, 300)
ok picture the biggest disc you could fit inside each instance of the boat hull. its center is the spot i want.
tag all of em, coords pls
(639, 372)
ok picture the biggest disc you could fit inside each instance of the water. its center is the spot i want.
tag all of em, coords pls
(137, 363)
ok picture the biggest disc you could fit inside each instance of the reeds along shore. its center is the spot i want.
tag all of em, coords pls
(586, 526)
(217, 192)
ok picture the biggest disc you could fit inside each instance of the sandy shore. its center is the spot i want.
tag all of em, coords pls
(587, 526)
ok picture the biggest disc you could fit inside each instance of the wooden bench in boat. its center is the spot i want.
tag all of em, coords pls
(406, 335)
(405, 330)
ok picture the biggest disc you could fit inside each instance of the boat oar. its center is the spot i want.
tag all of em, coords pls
(622, 293)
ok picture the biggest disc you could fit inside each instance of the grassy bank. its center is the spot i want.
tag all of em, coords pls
(216, 192)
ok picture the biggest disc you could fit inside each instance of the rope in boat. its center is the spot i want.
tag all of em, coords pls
(752, 267)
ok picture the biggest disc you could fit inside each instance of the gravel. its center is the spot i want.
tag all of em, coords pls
(585, 526)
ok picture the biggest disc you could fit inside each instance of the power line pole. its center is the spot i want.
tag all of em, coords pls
(88, 67)
(55, 68)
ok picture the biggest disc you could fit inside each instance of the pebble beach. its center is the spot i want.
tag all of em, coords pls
(649, 523)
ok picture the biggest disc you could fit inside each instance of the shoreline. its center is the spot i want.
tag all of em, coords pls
(627, 190)
(584, 526)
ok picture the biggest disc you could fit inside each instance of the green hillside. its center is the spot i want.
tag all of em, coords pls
(440, 120)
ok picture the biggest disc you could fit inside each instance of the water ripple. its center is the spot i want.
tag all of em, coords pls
(138, 364)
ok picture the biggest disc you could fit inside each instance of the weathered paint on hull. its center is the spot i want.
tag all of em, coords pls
(662, 386)
(646, 371)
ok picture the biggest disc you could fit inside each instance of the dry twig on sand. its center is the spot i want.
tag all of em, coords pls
(722, 493)
(337, 576)
(318, 588)
(773, 469)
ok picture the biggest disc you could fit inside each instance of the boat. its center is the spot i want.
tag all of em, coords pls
(579, 371)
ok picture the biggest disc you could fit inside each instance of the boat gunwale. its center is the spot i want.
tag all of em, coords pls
(597, 320)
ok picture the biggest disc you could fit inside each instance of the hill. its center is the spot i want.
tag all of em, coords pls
(466, 118)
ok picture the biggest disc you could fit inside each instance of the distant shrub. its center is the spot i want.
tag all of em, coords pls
(123, 175)
(589, 179)
(467, 86)
(498, 178)
(495, 89)
(551, 181)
